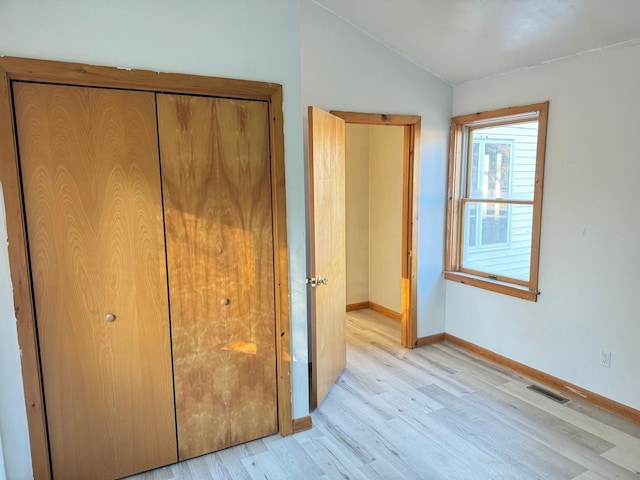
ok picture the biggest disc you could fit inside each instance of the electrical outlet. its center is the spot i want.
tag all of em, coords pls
(605, 359)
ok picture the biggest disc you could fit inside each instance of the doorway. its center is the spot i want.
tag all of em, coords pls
(390, 162)
(373, 204)
(327, 239)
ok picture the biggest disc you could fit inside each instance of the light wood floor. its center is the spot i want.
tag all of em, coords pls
(430, 413)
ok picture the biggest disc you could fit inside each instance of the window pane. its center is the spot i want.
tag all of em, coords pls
(497, 238)
(495, 223)
(471, 225)
(473, 171)
(490, 167)
(486, 224)
(503, 161)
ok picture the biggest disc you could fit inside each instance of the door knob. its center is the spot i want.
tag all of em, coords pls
(110, 317)
(317, 281)
(225, 301)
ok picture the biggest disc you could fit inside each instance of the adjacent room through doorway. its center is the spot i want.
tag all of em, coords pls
(373, 203)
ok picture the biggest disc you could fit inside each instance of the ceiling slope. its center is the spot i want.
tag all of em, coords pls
(464, 40)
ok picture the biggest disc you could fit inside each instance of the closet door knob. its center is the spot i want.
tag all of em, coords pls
(110, 317)
(225, 301)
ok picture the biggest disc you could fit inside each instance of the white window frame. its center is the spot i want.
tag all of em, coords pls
(479, 246)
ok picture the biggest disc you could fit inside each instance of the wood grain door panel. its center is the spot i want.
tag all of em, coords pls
(217, 198)
(328, 253)
(93, 209)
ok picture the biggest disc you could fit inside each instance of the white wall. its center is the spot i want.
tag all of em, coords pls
(15, 455)
(386, 154)
(342, 69)
(249, 39)
(357, 212)
(589, 259)
(3, 472)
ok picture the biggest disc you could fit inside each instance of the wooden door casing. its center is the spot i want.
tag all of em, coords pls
(218, 219)
(93, 210)
(328, 254)
(411, 125)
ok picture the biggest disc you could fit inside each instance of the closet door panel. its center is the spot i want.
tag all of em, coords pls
(91, 181)
(217, 200)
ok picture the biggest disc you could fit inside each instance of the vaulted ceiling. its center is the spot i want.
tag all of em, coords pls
(464, 40)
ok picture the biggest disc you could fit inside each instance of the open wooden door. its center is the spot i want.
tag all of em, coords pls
(327, 250)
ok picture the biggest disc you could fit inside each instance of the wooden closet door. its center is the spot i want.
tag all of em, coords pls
(217, 199)
(91, 181)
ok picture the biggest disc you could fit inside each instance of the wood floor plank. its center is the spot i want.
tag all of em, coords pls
(448, 357)
(294, 459)
(607, 418)
(473, 360)
(626, 457)
(368, 407)
(589, 475)
(334, 461)
(202, 470)
(231, 458)
(164, 473)
(216, 466)
(427, 451)
(380, 470)
(535, 421)
(527, 457)
(402, 372)
(347, 431)
(265, 466)
(585, 422)
(584, 449)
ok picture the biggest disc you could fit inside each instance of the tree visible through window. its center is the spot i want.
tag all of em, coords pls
(495, 196)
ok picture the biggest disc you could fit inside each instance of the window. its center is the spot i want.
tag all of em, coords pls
(495, 199)
(490, 171)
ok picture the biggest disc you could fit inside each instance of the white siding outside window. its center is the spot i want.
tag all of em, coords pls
(497, 236)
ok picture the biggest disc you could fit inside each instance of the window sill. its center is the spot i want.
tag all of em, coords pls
(493, 285)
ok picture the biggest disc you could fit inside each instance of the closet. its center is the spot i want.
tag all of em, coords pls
(150, 233)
